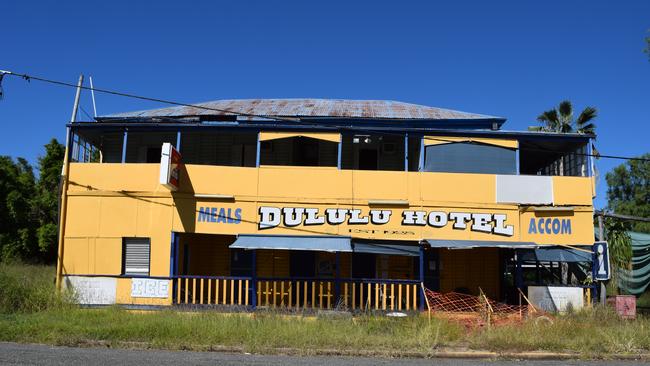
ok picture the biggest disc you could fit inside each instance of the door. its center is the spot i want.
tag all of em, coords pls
(363, 265)
(431, 269)
(241, 263)
(302, 263)
(368, 159)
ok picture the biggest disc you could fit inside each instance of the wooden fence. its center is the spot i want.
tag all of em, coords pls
(344, 294)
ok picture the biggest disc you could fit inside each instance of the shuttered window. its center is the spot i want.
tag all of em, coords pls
(136, 256)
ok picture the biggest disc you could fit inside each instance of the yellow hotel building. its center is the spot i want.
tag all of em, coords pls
(309, 203)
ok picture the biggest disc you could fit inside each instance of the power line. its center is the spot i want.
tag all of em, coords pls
(622, 217)
(277, 118)
(112, 92)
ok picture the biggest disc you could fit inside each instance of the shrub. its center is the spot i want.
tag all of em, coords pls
(28, 289)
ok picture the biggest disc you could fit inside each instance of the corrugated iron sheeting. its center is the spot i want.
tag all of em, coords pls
(308, 108)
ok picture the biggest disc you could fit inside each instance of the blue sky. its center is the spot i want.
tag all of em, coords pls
(506, 58)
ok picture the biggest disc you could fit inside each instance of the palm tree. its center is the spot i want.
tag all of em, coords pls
(561, 120)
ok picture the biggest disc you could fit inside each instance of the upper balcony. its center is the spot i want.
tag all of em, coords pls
(353, 166)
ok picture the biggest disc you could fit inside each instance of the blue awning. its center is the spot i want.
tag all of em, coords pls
(289, 242)
(470, 244)
(384, 248)
(555, 254)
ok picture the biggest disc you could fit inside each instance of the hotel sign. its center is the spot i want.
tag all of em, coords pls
(271, 217)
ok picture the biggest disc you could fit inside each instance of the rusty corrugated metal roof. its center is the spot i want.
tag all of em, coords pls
(307, 108)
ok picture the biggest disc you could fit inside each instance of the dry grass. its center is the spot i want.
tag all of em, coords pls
(30, 312)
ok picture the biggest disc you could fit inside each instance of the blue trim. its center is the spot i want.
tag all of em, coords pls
(213, 277)
(340, 152)
(421, 162)
(403, 128)
(519, 272)
(124, 142)
(258, 152)
(178, 141)
(590, 158)
(517, 161)
(406, 152)
(362, 280)
(172, 263)
(337, 284)
(594, 258)
(172, 256)
(68, 141)
(254, 280)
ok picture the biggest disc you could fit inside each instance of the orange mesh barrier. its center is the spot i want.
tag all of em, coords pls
(475, 311)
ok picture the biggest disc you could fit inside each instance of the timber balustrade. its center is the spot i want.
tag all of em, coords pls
(299, 293)
(205, 290)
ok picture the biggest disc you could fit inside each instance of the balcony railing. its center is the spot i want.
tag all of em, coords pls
(204, 290)
(299, 293)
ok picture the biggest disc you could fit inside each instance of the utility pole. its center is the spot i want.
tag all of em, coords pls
(601, 237)
(64, 189)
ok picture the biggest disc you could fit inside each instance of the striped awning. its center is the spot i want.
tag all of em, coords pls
(295, 242)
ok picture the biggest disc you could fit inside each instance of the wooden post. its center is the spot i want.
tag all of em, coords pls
(239, 292)
(201, 299)
(246, 292)
(193, 290)
(209, 291)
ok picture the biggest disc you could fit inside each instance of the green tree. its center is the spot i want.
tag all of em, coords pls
(29, 208)
(628, 191)
(17, 219)
(46, 200)
(561, 120)
(620, 251)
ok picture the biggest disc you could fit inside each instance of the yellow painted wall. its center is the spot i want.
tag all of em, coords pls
(107, 202)
(123, 295)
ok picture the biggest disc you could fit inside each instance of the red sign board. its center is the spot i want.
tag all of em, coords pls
(170, 167)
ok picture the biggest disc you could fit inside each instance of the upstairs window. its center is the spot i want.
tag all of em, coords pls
(145, 147)
(225, 148)
(374, 152)
(470, 157)
(293, 149)
(555, 157)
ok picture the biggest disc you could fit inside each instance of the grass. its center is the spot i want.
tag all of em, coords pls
(644, 300)
(30, 312)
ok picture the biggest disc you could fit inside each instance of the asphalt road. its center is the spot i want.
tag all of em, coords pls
(29, 354)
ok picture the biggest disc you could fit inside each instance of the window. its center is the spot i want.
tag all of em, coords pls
(136, 254)
(555, 157)
(223, 148)
(373, 152)
(464, 157)
(145, 147)
(299, 151)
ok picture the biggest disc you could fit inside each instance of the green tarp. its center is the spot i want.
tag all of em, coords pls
(637, 280)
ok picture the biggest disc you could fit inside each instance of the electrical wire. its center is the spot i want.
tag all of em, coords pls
(278, 118)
